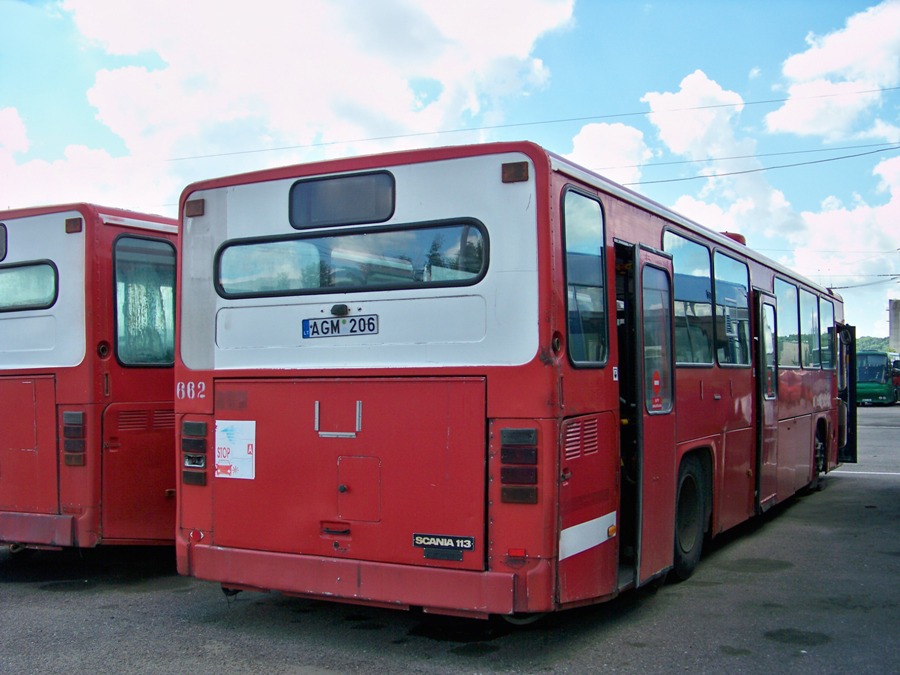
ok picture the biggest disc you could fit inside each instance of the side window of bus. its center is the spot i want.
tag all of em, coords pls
(145, 301)
(27, 286)
(767, 334)
(656, 319)
(585, 298)
(693, 300)
(788, 324)
(732, 310)
(2, 241)
(826, 331)
(810, 356)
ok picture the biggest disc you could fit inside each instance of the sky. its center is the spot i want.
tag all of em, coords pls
(777, 119)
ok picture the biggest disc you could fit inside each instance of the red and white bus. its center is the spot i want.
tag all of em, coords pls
(482, 380)
(86, 375)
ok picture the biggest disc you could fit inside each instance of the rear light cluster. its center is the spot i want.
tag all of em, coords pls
(193, 453)
(518, 471)
(73, 438)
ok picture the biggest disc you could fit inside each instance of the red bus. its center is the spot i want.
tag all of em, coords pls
(86, 375)
(482, 380)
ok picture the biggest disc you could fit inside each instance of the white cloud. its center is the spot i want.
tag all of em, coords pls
(209, 80)
(698, 122)
(85, 174)
(277, 72)
(823, 80)
(13, 136)
(857, 246)
(615, 150)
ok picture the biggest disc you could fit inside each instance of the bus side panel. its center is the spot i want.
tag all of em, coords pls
(794, 455)
(28, 455)
(588, 514)
(138, 472)
(738, 484)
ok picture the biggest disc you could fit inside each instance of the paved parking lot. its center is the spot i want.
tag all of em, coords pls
(813, 588)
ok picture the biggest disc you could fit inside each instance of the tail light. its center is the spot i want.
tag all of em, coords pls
(74, 438)
(518, 466)
(193, 453)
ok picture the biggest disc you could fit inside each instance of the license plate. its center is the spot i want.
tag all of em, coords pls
(344, 326)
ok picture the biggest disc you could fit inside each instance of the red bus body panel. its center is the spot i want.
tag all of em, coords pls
(119, 488)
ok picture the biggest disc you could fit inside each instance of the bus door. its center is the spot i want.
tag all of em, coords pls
(766, 401)
(29, 469)
(846, 345)
(647, 400)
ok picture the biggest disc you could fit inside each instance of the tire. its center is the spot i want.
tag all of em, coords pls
(690, 520)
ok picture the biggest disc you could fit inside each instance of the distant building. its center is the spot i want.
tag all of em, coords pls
(894, 310)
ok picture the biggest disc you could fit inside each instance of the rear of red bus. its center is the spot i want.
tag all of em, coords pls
(86, 350)
(367, 395)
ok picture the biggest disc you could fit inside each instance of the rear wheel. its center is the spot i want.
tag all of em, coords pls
(690, 509)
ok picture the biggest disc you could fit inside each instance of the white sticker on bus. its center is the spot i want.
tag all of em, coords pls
(236, 449)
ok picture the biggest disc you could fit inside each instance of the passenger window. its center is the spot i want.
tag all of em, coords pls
(693, 300)
(788, 324)
(767, 335)
(585, 301)
(810, 352)
(826, 330)
(656, 320)
(732, 311)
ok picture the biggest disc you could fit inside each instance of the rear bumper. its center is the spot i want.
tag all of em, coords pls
(39, 529)
(364, 582)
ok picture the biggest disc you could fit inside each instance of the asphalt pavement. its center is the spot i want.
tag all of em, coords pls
(812, 587)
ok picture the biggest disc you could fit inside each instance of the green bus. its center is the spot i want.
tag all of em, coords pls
(877, 378)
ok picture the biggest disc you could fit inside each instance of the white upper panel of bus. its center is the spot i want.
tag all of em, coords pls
(493, 322)
(52, 337)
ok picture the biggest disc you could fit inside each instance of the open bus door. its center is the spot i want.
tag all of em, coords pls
(846, 375)
(647, 397)
(766, 400)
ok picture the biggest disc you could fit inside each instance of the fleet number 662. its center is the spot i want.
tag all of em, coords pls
(190, 390)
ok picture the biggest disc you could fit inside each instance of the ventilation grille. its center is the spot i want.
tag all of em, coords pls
(164, 419)
(133, 420)
(144, 420)
(582, 438)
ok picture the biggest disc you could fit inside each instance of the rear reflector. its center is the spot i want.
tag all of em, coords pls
(514, 172)
(195, 208)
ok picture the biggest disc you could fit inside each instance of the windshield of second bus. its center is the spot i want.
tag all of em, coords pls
(872, 368)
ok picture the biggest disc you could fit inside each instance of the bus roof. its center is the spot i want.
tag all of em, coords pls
(107, 214)
(541, 156)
